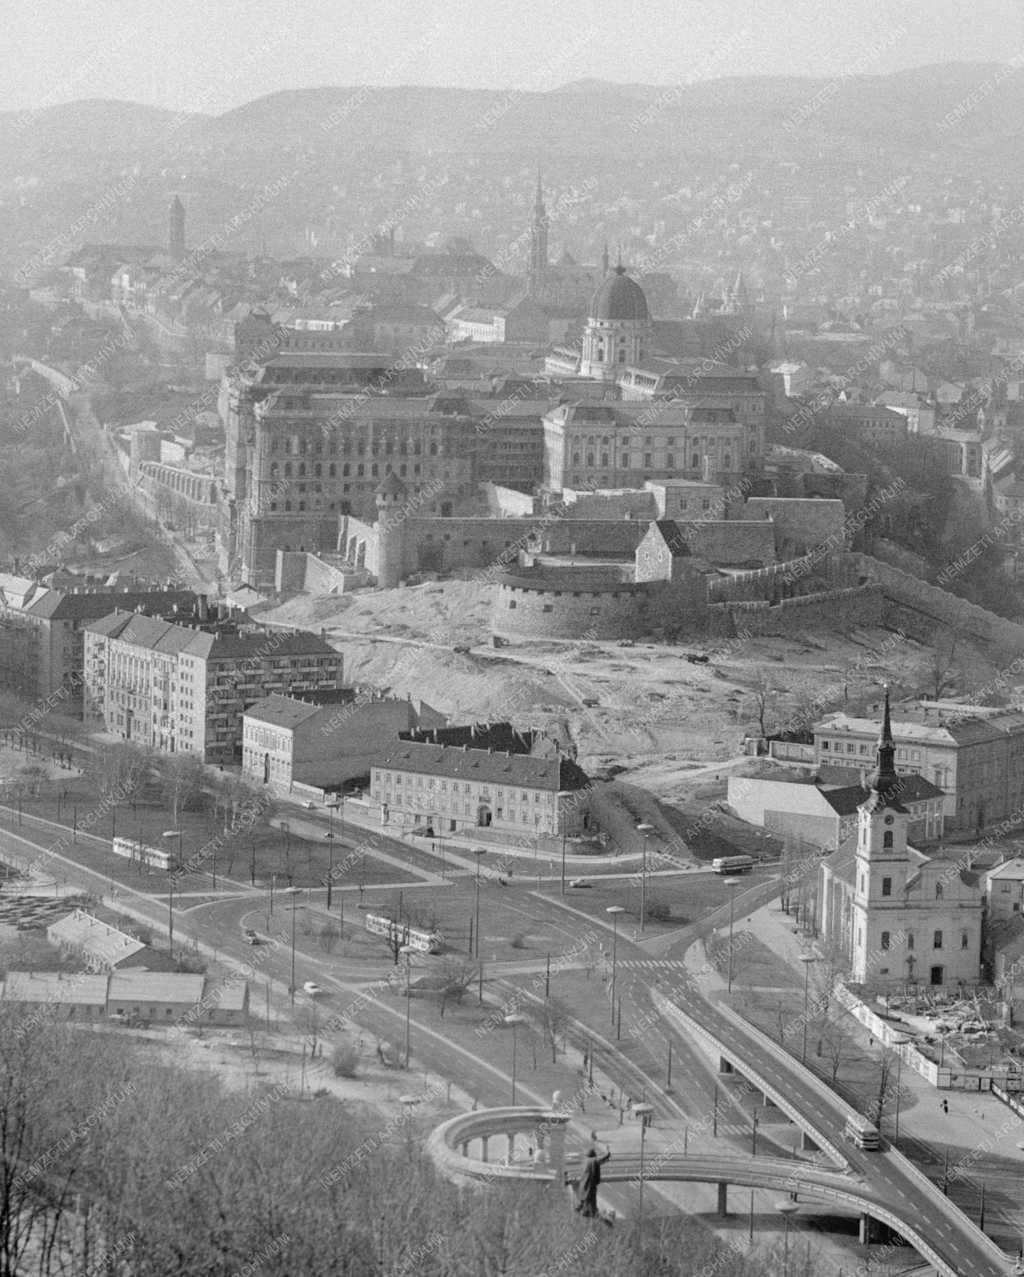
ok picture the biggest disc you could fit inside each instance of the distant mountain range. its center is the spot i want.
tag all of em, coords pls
(58, 165)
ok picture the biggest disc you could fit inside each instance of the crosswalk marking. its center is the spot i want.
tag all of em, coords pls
(645, 964)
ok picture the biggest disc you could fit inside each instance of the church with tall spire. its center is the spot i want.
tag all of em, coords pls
(902, 918)
(539, 227)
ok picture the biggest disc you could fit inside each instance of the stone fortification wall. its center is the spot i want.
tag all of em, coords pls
(780, 580)
(922, 610)
(824, 610)
(298, 573)
(800, 523)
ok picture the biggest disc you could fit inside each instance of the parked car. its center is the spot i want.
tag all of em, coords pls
(312, 988)
(697, 658)
(580, 882)
(251, 937)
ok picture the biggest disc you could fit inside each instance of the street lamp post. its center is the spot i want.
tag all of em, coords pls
(292, 985)
(898, 1043)
(806, 959)
(514, 1021)
(479, 852)
(731, 883)
(564, 831)
(614, 910)
(643, 1112)
(408, 1102)
(787, 1210)
(170, 833)
(330, 852)
(646, 830)
(407, 949)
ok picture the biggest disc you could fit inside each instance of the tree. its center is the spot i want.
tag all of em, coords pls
(457, 977)
(329, 937)
(763, 697)
(554, 1019)
(181, 782)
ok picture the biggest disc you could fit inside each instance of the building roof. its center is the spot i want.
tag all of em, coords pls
(81, 931)
(1012, 870)
(619, 297)
(59, 987)
(226, 995)
(672, 536)
(91, 605)
(554, 774)
(155, 986)
(281, 711)
(910, 788)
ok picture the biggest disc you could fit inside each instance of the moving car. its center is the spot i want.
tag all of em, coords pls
(312, 988)
(580, 882)
(251, 937)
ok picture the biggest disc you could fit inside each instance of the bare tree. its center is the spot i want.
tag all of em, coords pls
(181, 780)
(458, 976)
(554, 1018)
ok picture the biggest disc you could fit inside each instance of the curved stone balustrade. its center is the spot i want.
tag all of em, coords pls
(541, 1129)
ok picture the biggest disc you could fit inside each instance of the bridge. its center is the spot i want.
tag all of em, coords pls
(544, 1132)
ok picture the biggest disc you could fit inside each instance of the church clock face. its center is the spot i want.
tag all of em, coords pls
(888, 820)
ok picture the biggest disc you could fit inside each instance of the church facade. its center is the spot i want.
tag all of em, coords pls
(900, 917)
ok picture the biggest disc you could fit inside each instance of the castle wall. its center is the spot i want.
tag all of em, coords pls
(800, 523)
(922, 610)
(826, 610)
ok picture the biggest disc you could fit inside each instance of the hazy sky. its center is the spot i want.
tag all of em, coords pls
(210, 55)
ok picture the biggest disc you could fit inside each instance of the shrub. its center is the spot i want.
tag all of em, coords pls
(659, 910)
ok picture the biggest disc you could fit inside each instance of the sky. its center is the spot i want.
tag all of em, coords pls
(212, 55)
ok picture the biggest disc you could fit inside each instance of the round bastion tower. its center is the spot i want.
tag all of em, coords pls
(390, 497)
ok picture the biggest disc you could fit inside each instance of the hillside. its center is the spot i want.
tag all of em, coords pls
(358, 157)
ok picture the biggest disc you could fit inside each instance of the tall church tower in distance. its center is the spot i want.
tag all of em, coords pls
(538, 242)
(881, 864)
(176, 229)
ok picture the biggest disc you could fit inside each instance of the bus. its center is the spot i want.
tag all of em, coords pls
(863, 1133)
(733, 864)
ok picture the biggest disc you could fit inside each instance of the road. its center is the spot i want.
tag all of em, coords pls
(358, 997)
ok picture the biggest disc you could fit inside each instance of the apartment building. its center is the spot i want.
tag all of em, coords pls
(42, 633)
(973, 753)
(182, 689)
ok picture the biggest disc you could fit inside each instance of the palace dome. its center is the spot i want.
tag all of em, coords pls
(620, 297)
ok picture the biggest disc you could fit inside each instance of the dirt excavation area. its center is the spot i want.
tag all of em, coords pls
(647, 712)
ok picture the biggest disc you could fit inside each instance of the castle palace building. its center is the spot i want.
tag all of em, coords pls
(616, 445)
(900, 917)
(309, 435)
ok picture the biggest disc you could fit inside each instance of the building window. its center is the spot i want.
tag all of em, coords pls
(886, 886)
(885, 940)
(965, 940)
(887, 840)
(937, 940)
(910, 940)
(938, 891)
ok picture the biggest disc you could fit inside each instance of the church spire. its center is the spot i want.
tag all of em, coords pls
(884, 781)
(538, 241)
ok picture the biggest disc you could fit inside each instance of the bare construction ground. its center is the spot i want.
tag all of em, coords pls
(645, 709)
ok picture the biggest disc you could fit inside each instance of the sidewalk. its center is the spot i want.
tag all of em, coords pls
(975, 1121)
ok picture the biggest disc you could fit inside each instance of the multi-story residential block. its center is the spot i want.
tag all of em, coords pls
(42, 631)
(974, 754)
(185, 690)
(418, 783)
